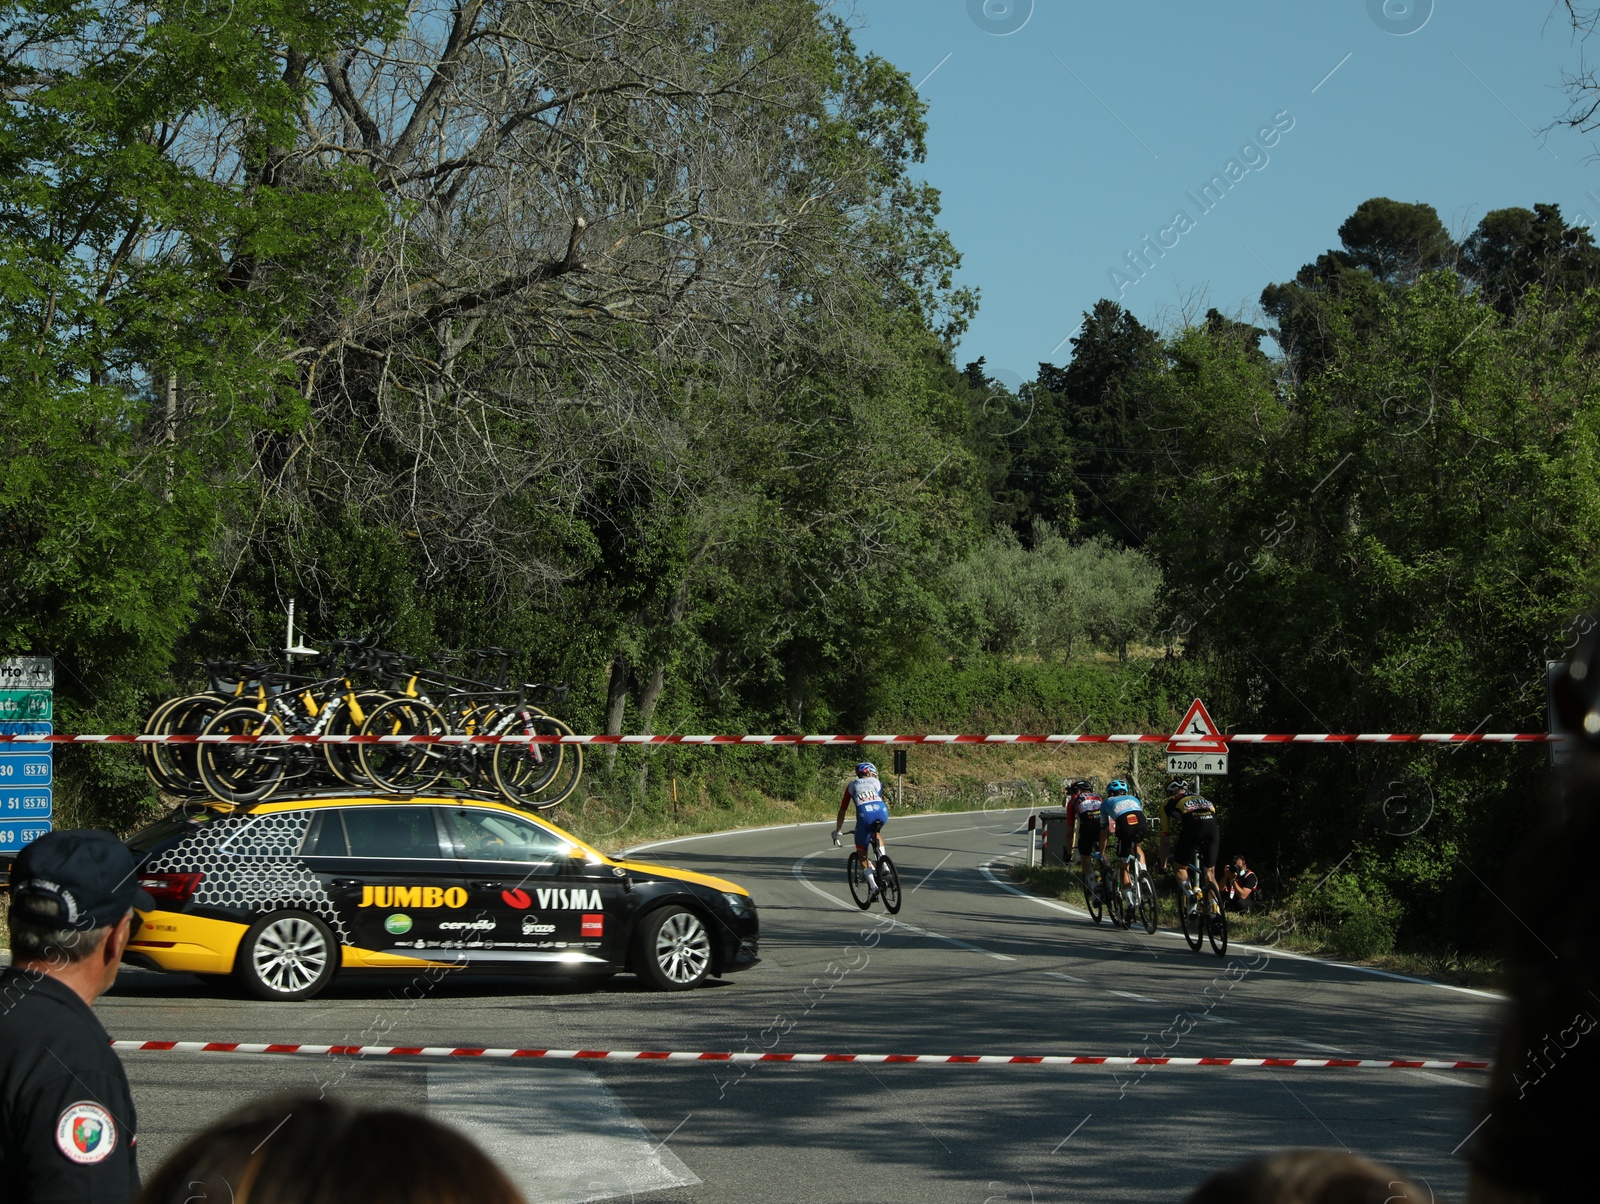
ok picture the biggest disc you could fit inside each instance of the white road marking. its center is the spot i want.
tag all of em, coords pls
(560, 1135)
(1058, 974)
(800, 876)
(1131, 995)
(1211, 1018)
(810, 823)
(1270, 952)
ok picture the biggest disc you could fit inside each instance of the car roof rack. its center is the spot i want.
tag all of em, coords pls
(333, 793)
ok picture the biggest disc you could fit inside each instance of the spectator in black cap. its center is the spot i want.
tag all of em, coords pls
(67, 1124)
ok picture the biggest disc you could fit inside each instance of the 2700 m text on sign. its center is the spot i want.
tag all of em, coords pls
(1201, 763)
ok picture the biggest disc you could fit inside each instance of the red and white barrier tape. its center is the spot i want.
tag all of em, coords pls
(1198, 743)
(642, 1055)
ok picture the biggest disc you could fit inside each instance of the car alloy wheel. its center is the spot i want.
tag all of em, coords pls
(677, 949)
(287, 956)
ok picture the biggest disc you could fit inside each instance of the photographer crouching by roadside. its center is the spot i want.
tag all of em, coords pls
(67, 1123)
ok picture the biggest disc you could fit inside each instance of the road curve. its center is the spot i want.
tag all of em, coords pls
(973, 965)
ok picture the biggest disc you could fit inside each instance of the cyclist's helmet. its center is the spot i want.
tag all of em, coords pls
(866, 769)
(1179, 787)
(1117, 786)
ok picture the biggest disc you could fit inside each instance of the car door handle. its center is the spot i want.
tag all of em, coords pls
(347, 883)
(487, 885)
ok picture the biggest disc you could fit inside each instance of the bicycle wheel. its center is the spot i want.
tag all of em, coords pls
(1190, 919)
(858, 881)
(1216, 921)
(344, 760)
(242, 773)
(889, 884)
(403, 768)
(1091, 896)
(1149, 907)
(151, 754)
(176, 767)
(539, 776)
(1115, 903)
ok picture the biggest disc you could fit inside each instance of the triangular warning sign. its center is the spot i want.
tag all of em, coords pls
(1197, 721)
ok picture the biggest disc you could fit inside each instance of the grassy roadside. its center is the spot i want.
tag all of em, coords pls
(1281, 927)
(610, 815)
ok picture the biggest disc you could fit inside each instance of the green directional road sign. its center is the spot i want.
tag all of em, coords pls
(26, 705)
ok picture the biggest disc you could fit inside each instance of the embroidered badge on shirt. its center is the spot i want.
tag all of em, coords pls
(86, 1133)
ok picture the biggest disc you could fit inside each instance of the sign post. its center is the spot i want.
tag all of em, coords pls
(1198, 757)
(27, 771)
(1560, 750)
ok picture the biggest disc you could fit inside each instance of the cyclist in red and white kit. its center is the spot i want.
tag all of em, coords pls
(1083, 813)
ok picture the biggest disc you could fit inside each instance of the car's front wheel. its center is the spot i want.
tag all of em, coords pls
(287, 955)
(673, 949)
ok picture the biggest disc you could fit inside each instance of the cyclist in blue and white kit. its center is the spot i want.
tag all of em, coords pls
(872, 813)
(1123, 812)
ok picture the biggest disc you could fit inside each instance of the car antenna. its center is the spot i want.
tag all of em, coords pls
(289, 646)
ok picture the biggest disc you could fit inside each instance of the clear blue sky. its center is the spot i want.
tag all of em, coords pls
(1058, 148)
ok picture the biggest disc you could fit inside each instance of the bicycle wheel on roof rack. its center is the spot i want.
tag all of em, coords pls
(401, 767)
(538, 776)
(344, 760)
(244, 772)
(159, 759)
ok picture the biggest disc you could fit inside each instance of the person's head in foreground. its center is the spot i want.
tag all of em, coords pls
(73, 894)
(299, 1149)
(1311, 1177)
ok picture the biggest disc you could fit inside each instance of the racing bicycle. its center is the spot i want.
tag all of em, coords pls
(888, 878)
(1146, 911)
(1200, 912)
(1098, 885)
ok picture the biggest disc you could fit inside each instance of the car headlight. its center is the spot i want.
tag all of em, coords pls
(740, 904)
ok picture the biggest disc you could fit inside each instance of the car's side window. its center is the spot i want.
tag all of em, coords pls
(496, 836)
(325, 838)
(391, 832)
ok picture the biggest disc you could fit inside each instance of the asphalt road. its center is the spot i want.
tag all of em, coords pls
(974, 966)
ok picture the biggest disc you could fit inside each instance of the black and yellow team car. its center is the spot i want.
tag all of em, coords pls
(286, 894)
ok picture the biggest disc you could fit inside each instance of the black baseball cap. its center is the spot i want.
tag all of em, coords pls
(76, 878)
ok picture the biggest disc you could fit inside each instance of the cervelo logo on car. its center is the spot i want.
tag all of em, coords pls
(413, 896)
(467, 926)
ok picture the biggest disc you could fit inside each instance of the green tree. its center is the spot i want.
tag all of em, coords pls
(1514, 249)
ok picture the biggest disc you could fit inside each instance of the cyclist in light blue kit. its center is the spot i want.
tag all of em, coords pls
(872, 813)
(1123, 814)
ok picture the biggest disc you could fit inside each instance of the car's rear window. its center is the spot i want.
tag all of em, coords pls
(168, 828)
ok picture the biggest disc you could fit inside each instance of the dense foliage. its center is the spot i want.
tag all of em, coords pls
(622, 333)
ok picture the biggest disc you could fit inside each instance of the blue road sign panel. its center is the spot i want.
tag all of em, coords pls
(27, 727)
(31, 768)
(26, 797)
(24, 803)
(14, 833)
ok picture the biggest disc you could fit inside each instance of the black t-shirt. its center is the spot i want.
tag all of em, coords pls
(67, 1124)
(1246, 880)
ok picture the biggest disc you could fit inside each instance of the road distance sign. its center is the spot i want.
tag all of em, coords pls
(1197, 763)
(14, 833)
(22, 803)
